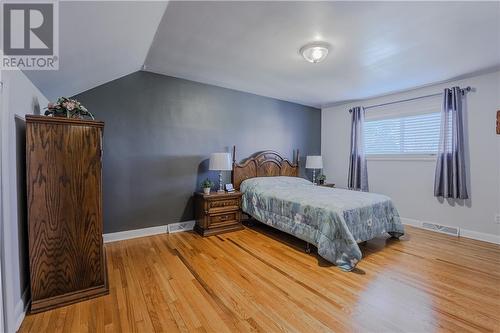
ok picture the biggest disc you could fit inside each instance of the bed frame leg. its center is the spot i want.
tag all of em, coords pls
(308, 248)
(395, 235)
(249, 221)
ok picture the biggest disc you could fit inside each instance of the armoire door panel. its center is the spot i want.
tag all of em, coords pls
(64, 206)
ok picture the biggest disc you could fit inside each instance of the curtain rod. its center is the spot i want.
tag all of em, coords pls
(467, 89)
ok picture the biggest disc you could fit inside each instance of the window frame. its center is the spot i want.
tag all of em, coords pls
(401, 110)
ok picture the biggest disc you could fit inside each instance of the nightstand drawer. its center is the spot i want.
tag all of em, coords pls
(224, 204)
(223, 219)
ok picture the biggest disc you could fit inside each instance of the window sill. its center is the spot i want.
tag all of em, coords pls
(431, 158)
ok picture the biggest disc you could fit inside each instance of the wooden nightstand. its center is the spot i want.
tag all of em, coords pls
(217, 213)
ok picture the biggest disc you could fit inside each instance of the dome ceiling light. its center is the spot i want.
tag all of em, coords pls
(314, 52)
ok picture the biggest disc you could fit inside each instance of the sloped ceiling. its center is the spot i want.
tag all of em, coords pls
(99, 41)
(377, 47)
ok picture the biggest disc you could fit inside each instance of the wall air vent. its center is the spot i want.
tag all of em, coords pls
(181, 226)
(453, 231)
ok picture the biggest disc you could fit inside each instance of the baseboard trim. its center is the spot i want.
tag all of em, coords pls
(136, 233)
(129, 234)
(21, 308)
(495, 239)
(465, 233)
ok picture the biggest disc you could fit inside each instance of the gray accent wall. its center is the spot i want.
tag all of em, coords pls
(159, 132)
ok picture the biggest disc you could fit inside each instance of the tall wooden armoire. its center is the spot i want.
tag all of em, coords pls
(66, 253)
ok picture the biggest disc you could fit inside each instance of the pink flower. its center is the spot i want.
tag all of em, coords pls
(69, 105)
(50, 106)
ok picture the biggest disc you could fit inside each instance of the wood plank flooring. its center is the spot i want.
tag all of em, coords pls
(260, 280)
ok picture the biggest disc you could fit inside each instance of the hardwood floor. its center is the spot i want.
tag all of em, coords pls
(259, 279)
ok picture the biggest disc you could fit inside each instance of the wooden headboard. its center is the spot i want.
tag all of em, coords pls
(264, 164)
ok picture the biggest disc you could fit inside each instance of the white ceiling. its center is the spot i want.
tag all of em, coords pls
(377, 47)
(98, 42)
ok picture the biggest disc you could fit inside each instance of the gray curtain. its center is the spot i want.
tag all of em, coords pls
(358, 173)
(450, 178)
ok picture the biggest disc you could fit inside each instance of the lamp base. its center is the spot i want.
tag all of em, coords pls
(221, 187)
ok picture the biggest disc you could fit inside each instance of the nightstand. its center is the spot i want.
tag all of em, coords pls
(327, 185)
(216, 213)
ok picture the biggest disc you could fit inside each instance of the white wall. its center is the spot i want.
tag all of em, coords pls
(410, 182)
(20, 97)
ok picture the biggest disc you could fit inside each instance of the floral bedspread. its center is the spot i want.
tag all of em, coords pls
(334, 220)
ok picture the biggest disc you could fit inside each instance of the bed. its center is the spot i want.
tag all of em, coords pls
(334, 220)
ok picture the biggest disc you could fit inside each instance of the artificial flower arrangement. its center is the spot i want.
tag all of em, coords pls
(69, 108)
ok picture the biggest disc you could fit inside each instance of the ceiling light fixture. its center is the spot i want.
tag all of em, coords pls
(314, 52)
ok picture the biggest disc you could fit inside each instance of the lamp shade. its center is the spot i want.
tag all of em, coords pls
(219, 161)
(314, 162)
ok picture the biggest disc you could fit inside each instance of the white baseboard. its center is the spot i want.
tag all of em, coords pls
(21, 308)
(412, 222)
(129, 234)
(495, 239)
(481, 236)
(136, 233)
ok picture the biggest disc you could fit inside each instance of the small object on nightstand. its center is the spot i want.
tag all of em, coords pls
(229, 188)
(206, 185)
(217, 213)
(327, 185)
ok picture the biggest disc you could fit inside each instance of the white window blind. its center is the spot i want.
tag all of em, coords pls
(407, 135)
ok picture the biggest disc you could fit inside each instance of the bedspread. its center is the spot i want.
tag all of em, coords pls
(334, 220)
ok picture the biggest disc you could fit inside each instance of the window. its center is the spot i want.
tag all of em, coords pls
(407, 135)
(404, 129)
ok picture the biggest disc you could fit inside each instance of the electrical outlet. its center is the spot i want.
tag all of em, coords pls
(497, 218)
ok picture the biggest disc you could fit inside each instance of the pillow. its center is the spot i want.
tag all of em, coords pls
(273, 181)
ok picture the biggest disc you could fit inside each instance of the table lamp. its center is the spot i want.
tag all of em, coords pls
(220, 162)
(314, 162)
